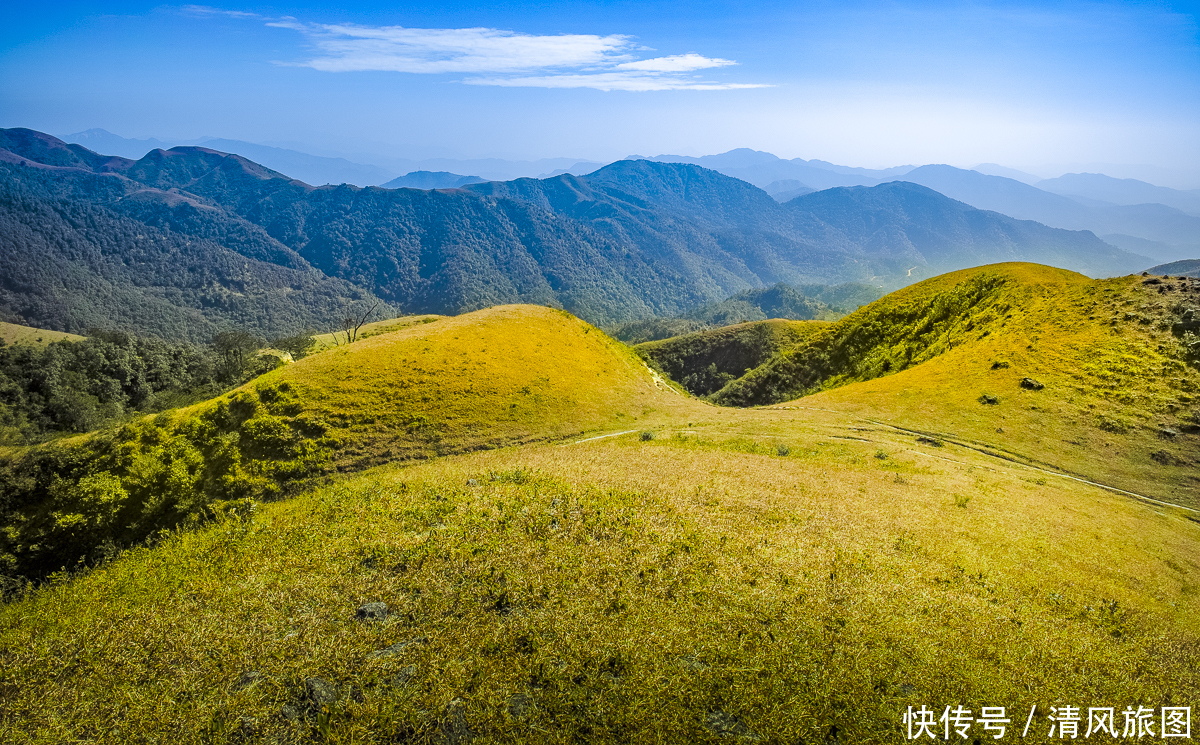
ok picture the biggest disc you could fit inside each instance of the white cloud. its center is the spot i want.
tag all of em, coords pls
(346, 48)
(503, 58)
(612, 81)
(204, 10)
(676, 63)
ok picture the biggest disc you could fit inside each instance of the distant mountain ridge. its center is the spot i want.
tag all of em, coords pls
(1168, 232)
(431, 180)
(632, 240)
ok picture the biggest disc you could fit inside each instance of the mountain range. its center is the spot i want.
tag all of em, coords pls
(202, 237)
(1155, 221)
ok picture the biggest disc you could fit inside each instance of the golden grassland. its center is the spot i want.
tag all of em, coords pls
(1119, 403)
(498, 376)
(796, 573)
(13, 333)
(321, 342)
(1118, 400)
(622, 590)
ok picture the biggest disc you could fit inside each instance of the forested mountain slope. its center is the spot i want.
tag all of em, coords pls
(633, 240)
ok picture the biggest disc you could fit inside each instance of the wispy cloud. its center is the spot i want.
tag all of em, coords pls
(204, 10)
(504, 58)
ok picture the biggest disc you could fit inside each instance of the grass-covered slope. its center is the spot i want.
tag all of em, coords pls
(498, 376)
(501, 376)
(15, 333)
(692, 589)
(706, 361)
(1095, 376)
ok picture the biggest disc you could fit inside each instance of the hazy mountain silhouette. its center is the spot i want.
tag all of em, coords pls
(1125, 191)
(1172, 234)
(431, 180)
(631, 240)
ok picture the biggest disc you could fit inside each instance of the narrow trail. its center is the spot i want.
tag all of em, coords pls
(1013, 459)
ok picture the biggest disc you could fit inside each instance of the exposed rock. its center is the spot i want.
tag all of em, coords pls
(1167, 433)
(247, 679)
(371, 612)
(989, 399)
(454, 728)
(520, 705)
(472, 482)
(320, 692)
(1162, 457)
(396, 648)
(689, 662)
(1031, 384)
(729, 725)
(404, 675)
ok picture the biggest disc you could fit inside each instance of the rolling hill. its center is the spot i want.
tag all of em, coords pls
(1187, 268)
(632, 240)
(808, 302)
(496, 377)
(1033, 362)
(806, 571)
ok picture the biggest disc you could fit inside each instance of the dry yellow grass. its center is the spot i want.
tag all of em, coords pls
(13, 333)
(787, 574)
(620, 590)
(375, 328)
(498, 376)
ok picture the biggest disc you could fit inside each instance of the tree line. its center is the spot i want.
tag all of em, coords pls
(79, 386)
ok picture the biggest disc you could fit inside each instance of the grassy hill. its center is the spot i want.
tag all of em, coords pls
(14, 333)
(798, 572)
(696, 587)
(498, 377)
(1035, 362)
(1188, 268)
(804, 303)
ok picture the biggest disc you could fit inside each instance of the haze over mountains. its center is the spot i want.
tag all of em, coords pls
(1155, 221)
(632, 240)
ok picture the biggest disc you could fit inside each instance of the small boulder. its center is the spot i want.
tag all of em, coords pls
(247, 679)
(729, 725)
(472, 482)
(319, 692)
(396, 648)
(404, 675)
(988, 399)
(1031, 384)
(371, 612)
(454, 728)
(520, 705)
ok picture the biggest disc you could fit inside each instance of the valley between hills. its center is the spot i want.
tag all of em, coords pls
(488, 520)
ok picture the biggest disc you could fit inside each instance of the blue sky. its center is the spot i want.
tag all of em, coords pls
(869, 83)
